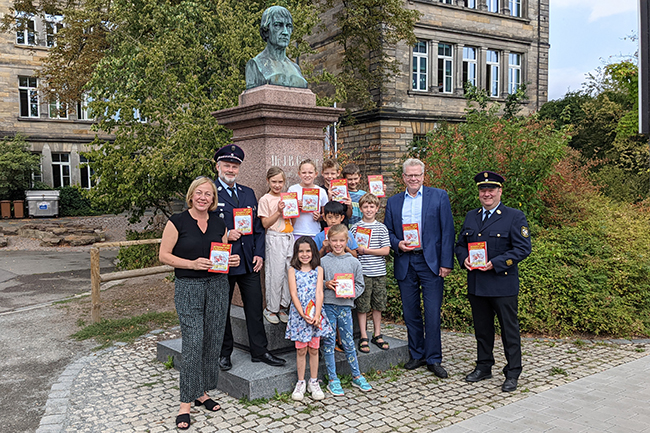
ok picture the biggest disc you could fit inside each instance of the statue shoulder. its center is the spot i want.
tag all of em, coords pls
(254, 76)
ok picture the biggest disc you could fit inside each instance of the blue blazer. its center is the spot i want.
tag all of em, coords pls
(436, 231)
(508, 243)
(246, 246)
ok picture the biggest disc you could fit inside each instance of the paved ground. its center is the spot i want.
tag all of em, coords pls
(125, 389)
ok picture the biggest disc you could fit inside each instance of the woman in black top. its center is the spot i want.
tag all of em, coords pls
(201, 297)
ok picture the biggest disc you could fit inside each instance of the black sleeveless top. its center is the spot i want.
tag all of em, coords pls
(192, 243)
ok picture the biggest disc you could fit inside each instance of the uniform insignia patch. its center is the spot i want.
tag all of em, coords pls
(219, 189)
(232, 148)
(524, 231)
(485, 175)
(221, 215)
(499, 211)
(509, 262)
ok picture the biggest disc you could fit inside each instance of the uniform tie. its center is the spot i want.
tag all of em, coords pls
(234, 194)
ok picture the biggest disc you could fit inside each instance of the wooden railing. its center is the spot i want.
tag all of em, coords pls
(96, 278)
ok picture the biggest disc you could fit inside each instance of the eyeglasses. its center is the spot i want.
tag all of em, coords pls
(413, 176)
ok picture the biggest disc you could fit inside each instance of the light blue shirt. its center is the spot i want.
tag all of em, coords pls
(412, 209)
(228, 190)
(487, 213)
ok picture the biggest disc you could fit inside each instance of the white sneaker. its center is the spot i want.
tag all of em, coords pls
(271, 317)
(299, 392)
(315, 391)
(283, 316)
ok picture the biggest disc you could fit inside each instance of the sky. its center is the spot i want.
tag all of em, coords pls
(585, 34)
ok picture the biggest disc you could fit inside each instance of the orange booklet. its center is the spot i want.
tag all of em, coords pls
(363, 236)
(243, 220)
(326, 229)
(310, 310)
(376, 185)
(310, 200)
(344, 285)
(339, 189)
(477, 255)
(412, 234)
(219, 256)
(290, 200)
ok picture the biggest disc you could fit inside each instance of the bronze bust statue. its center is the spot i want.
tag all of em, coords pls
(272, 66)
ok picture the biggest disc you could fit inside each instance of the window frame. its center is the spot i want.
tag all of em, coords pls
(58, 169)
(514, 69)
(26, 95)
(492, 70)
(28, 33)
(420, 58)
(55, 108)
(86, 173)
(515, 7)
(467, 64)
(445, 68)
(492, 6)
(55, 24)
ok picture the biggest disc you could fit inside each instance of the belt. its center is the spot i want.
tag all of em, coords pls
(416, 252)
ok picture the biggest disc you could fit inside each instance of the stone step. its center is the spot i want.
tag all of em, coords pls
(258, 380)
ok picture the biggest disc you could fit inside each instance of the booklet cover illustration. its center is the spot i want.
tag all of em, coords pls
(344, 285)
(290, 200)
(412, 234)
(376, 185)
(339, 189)
(243, 220)
(219, 256)
(310, 202)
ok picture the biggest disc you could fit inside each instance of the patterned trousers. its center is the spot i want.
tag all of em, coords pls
(340, 317)
(202, 305)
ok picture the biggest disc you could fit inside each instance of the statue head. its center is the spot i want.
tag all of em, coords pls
(276, 26)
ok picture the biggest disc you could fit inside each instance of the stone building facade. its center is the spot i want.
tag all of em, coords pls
(56, 132)
(495, 44)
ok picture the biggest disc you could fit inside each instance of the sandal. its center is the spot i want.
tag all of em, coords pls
(364, 347)
(383, 345)
(209, 404)
(183, 418)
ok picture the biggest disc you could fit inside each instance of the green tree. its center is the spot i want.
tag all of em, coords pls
(17, 164)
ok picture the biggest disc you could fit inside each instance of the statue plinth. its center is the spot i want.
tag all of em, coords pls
(279, 126)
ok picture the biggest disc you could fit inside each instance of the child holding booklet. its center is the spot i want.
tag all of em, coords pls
(352, 174)
(331, 170)
(307, 224)
(306, 321)
(374, 246)
(279, 247)
(343, 283)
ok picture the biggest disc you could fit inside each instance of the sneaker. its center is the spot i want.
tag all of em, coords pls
(315, 391)
(283, 316)
(299, 392)
(361, 383)
(335, 388)
(271, 317)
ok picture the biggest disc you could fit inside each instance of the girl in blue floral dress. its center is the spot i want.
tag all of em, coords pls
(307, 323)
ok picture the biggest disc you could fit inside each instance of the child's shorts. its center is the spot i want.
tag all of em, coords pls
(314, 343)
(374, 295)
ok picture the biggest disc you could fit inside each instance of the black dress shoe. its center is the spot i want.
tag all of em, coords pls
(270, 359)
(438, 370)
(412, 364)
(509, 385)
(478, 375)
(224, 363)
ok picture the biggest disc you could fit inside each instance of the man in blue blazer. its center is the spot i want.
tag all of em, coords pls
(251, 250)
(494, 288)
(420, 270)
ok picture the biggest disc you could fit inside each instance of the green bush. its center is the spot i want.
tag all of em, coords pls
(72, 202)
(139, 256)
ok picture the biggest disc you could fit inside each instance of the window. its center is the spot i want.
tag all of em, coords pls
(61, 169)
(515, 8)
(445, 1)
(492, 73)
(493, 5)
(445, 68)
(420, 61)
(83, 112)
(25, 33)
(58, 110)
(469, 65)
(470, 4)
(53, 24)
(27, 87)
(86, 173)
(514, 72)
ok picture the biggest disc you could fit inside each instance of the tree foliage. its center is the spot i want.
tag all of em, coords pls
(17, 164)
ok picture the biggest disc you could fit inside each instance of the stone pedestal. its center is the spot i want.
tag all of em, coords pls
(279, 126)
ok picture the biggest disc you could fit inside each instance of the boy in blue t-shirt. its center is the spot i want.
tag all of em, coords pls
(351, 172)
(333, 214)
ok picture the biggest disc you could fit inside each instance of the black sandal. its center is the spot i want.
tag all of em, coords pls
(364, 347)
(383, 345)
(209, 404)
(183, 418)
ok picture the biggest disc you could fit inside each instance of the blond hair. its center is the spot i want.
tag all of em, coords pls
(338, 229)
(307, 161)
(274, 171)
(369, 198)
(194, 185)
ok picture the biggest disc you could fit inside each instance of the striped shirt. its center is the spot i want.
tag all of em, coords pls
(373, 266)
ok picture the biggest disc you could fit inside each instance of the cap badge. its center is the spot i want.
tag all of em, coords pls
(524, 231)
(485, 175)
(232, 148)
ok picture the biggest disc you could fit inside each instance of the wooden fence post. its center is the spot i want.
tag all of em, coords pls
(94, 284)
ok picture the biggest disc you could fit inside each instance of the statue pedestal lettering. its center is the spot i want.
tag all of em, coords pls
(279, 126)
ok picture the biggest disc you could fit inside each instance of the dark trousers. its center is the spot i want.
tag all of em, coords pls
(251, 295)
(423, 338)
(483, 310)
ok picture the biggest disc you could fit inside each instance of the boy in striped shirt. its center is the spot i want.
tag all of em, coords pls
(373, 263)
